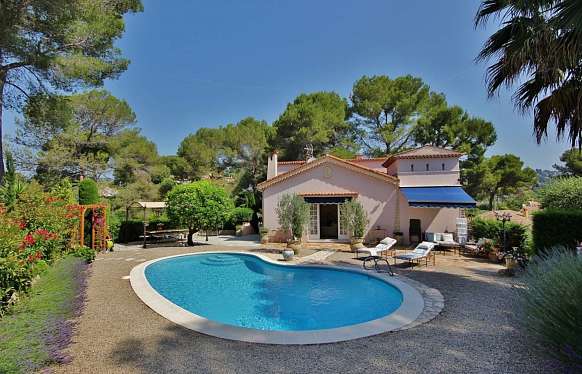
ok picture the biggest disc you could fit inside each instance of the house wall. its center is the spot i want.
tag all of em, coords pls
(377, 196)
(431, 219)
(435, 176)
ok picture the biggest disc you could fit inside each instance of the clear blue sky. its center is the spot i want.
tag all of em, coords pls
(209, 63)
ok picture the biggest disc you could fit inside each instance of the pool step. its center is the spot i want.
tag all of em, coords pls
(220, 260)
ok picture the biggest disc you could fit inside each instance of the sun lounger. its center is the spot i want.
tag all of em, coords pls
(422, 251)
(385, 245)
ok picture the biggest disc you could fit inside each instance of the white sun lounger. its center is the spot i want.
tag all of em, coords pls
(385, 245)
(422, 251)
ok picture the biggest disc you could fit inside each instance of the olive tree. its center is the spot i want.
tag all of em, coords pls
(293, 213)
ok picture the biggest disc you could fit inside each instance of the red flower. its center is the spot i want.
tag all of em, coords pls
(22, 225)
(28, 241)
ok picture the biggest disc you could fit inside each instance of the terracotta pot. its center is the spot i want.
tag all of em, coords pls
(294, 245)
(510, 262)
(356, 243)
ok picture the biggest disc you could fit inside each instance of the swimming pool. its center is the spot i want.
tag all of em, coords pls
(259, 299)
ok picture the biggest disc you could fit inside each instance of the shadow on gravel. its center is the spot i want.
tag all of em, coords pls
(476, 332)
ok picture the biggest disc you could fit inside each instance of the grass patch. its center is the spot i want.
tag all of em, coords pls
(34, 332)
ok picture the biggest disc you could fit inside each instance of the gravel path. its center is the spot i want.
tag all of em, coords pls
(475, 333)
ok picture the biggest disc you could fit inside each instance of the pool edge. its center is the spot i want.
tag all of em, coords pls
(409, 311)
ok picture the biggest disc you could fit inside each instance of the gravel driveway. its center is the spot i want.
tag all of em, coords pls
(475, 333)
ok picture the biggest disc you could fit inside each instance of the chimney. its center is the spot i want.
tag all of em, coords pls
(272, 165)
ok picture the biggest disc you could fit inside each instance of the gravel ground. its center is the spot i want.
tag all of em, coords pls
(475, 333)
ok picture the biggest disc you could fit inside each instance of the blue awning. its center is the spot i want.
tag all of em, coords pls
(438, 197)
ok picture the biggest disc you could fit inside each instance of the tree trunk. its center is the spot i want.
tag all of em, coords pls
(2, 81)
(190, 235)
(491, 199)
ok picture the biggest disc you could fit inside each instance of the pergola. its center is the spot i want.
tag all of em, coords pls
(155, 206)
(98, 225)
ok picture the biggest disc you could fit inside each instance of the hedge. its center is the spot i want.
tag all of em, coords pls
(492, 229)
(130, 231)
(557, 227)
(242, 214)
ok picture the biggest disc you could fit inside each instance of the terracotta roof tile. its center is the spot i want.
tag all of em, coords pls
(328, 158)
(428, 151)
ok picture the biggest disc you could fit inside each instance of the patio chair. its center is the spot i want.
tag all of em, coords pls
(385, 245)
(422, 251)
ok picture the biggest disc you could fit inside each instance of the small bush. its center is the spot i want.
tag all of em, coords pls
(88, 192)
(517, 235)
(553, 227)
(551, 305)
(85, 253)
(242, 214)
(354, 218)
(293, 213)
(562, 193)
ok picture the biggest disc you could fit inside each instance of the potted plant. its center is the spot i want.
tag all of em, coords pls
(293, 213)
(264, 234)
(354, 219)
(398, 235)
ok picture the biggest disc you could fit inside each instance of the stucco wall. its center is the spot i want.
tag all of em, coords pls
(435, 176)
(431, 219)
(377, 196)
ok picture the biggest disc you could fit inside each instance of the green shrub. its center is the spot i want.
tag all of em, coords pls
(88, 192)
(553, 227)
(551, 305)
(85, 253)
(562, 193)
(130, 231)
(242, 214)
(517, 235)
(293, 214)
(354, 218)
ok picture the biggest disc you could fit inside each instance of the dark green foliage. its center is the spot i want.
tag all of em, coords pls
(85, 253)
(557, 227)
(242, 214)
(293, 213)
(129, 231)
(88, 192)
(572, 159)
(551, 307)
(517, 235)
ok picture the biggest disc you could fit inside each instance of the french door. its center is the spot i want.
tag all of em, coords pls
(313, 221)
(342, 232)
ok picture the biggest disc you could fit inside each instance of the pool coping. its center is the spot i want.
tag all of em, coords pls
(412, 306)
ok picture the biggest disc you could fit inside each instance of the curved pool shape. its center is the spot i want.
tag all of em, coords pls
(248, 297)
(245, 291)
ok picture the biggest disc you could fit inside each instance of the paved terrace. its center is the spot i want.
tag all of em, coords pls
(475, 333)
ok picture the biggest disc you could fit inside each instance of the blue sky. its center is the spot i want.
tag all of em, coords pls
(209, 63)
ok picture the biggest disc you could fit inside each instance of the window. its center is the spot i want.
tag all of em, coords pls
(427, 167)
(443, 166)
(411, 167)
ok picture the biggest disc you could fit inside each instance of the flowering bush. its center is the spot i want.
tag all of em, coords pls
(36, 231)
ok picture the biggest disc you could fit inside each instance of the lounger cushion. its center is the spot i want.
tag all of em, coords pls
(438, 237)
(388, 241)
(448, 237)
(429, 236)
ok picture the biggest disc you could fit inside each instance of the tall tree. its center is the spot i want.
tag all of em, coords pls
(58, 44)
(134, 155)
(318, 119)
(539, 43)
(452, 127)
(204, 151)
(72, 135)
(572, 159)
(500, 174)
(385, 111)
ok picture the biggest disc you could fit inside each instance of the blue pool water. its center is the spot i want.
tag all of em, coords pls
(243, 290)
